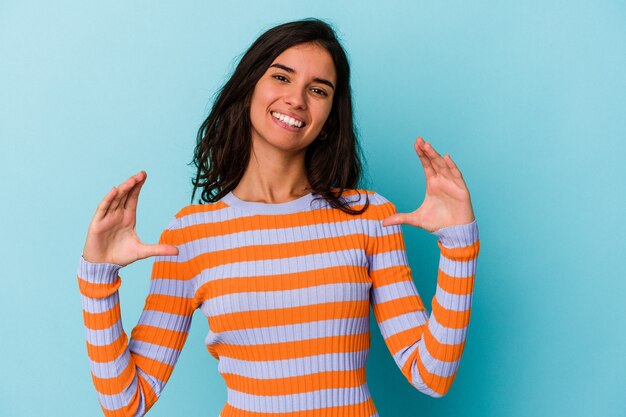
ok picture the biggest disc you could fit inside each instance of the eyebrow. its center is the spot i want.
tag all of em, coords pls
(293, 71)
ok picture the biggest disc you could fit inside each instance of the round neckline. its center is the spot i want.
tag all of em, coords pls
(286, 207)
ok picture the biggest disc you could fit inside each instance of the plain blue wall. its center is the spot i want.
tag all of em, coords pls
(529, 99)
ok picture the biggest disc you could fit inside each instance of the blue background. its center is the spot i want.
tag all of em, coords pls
(528, 98)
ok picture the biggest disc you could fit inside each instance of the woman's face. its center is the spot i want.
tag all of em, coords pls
(292, 100)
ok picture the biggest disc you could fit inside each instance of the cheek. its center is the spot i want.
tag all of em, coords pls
(258, 107)
(263, 94)
(324, 112)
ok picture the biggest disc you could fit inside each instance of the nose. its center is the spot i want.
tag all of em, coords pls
(296, 97)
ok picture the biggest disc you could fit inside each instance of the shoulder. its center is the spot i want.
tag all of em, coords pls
(192, 214)
(360, 195)
(379, 203)
(377, 198)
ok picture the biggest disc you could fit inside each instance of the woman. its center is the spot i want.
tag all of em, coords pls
(285, 279)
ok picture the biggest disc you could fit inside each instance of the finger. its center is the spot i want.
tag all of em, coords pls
(128, 186)
(438, 163)
(431, 157)
(123, 188)
(130, 203)
(429, 171)
(453, 168)
(105, 204)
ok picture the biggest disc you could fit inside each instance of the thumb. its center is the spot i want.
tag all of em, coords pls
(160, 250)
(396, 218)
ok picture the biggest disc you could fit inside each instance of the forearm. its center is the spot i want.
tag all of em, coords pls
(443, 341)
(121, 391)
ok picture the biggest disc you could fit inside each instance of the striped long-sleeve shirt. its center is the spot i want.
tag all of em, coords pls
(286, 289)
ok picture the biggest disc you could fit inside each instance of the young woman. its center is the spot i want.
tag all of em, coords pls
(283, 254)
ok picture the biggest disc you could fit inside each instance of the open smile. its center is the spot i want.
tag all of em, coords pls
(286, 122)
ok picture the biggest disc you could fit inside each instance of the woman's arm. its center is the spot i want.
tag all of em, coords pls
(426, 348)
(129, 376)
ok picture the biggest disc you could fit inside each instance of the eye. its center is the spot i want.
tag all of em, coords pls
(316, 90)
(319, 91)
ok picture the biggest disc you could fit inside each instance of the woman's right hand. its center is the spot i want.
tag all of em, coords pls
(112, 237)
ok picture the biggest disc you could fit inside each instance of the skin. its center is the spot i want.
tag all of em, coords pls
(112, 237)
(276, 169)
(275, 172)
(447, 201)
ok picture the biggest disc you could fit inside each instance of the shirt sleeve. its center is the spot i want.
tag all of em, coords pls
(129, 376)
(426, 348)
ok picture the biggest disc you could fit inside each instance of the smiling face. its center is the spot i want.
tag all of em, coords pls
(292, 100)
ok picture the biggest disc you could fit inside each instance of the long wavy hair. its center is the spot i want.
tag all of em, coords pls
(224, 139)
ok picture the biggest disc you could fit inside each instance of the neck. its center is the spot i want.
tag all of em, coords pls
(273, 179)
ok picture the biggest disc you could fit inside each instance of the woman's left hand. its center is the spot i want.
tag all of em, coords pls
(447, 201)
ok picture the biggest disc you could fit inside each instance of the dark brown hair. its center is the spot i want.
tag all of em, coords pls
(224, 139)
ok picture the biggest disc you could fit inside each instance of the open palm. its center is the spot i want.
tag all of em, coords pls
(447, 201)
(112, 237)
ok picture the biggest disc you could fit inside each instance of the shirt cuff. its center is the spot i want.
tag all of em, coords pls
(459, 235)
(98, 273)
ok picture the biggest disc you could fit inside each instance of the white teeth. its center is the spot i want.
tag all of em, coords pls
(286, 119)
